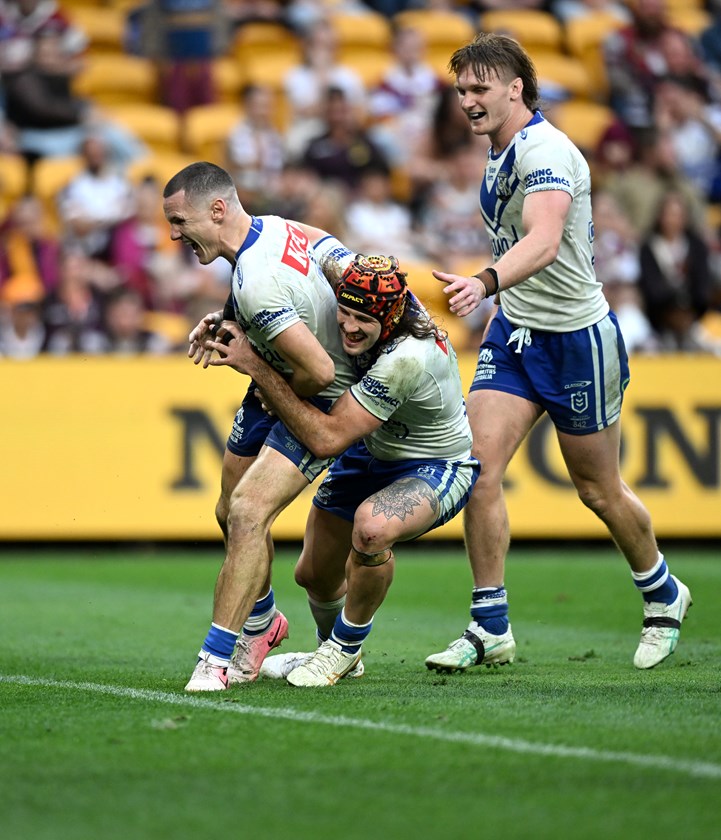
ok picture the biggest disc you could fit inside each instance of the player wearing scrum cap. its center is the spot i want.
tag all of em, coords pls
(403, 447)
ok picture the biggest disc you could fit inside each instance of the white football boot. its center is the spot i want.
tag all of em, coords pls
(661, 628)
(475, 647)
(327, 665)
(278, 667)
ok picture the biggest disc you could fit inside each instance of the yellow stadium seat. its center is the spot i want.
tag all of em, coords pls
(206, 129)
(228, 78)
(171, 325)
(584, 37)
(13, 177)
(90, 4)
(370, 67)
(671, 5)
(115, 79)
(269, 71)
(535, 30)
(444, 33)
(156, 125)
(564, 71)
(689, 20)
(265, 40)
(440, 28)
(104, 26)
(49, 177)
(367, 33)
(367, 29)
(160, 167)
(584, 122)
(425, 286)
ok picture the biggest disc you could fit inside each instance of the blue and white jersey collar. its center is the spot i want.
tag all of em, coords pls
(256, 228)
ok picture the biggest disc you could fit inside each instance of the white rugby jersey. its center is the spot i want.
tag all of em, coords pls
(277, 282)
(415, 388)
(566, 295)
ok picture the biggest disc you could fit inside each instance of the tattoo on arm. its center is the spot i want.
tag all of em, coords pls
(401, 497)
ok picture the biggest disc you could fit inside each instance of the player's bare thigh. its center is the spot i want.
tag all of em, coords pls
(234, 468)
(403, 510)
(269, 485)
(499, 422)
(593, 460)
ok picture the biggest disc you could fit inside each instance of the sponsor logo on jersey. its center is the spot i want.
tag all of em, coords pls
(376, 389)
(503, 188)
(545, 176)
(296, 249)
(265, 317)
(583, 383)
(398, 430)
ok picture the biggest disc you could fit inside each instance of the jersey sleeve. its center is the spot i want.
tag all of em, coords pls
(547, 166)
(391, 381)
(266, 304)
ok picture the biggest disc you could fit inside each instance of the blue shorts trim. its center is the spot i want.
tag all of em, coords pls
(254, 428)
(356, 475)
(578, 377)
(251, 426)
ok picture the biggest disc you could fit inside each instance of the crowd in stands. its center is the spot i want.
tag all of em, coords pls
(321, 117)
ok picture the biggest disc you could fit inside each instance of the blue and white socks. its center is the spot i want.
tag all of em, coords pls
(656, 584)
(489, 608)
(349, 636)
(261, 615)
(218, 646)
(324, 614)
(220, 642)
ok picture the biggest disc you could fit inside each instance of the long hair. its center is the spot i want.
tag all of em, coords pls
(416, 321)
(491, 54)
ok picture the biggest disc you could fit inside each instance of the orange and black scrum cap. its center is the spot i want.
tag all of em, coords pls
(376, 286)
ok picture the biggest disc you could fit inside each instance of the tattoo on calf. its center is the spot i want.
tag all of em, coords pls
(401, 497)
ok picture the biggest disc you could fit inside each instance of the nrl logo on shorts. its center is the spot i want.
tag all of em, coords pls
(579, 402)
(503, 188)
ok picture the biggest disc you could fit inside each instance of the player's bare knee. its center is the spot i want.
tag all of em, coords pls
(304, 575)
(221, 515)
(593, 500)
(369, 540)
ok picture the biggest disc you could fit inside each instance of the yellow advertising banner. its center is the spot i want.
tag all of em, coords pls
(115, 448)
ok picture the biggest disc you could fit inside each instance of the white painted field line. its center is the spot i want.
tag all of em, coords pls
(699, 769)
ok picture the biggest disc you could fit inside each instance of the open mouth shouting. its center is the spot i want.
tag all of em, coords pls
(476, 116)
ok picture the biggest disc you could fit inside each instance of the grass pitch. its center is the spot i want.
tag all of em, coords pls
(98, 739)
